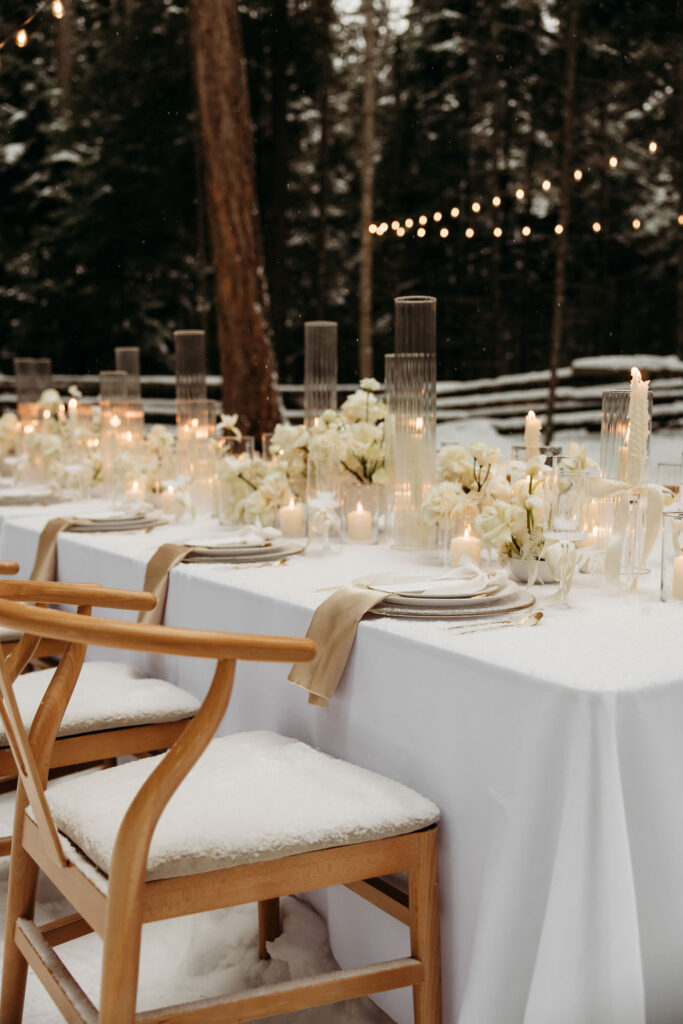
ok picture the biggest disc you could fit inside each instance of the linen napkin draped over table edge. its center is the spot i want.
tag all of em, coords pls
(333, 628)
(157, 572)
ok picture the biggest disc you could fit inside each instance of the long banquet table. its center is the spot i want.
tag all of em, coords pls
(555, 754)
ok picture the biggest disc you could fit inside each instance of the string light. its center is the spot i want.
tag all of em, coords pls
(520, 193)
(401, 232)
(421, 232)
(437, 216)
(496, 201)
(546, 185)
(653, 147)
(558, 229)
(578, 174)
(444, 232)
(455, 211)
(21, 38)
(680, 219)
(422, 219)
(476, 207)
(597, 227)
(526, 230)
(382, 228)
(636, 224)
(469, 233)
(497, 232)
(409, 222)
(614, 161)
(58, 9)
(395, 225)
(372, 229)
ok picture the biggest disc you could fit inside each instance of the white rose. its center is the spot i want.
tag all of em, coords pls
(370, 384)
(484, 454)
(499, 522)
(363, 405)
(442, 502)
(50, 400)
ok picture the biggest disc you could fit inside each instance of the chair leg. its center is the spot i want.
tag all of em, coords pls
(23, 881)
(425, 936)
(268, 925)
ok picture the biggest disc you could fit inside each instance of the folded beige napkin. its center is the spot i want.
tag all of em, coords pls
(45, 564)
(333, 627)
(156, 578)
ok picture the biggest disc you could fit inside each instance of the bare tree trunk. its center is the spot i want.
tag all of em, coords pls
(64, 51)
(323, 16)
(678, 86)
(560, 287)
(242, 306)
(367, 192)
(277, 227)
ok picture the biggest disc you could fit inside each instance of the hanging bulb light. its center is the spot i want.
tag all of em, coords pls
(373, 229)
(497, 232)
(409, 222)
(558, 229)
(520, 193)
(469, 233)
(547, 185)
(526, 230)
(21, 38)
(597, 227)
(422, 219)
(437, 216)
(455, 211)
(421, 232)
(653, 147)
(476, 207)
(680, 219)
(578, 174)
(58, 9)
(395, 225)
(496, 201)
(444, 232)
(401, 232)
(614, 161)
(636, 224)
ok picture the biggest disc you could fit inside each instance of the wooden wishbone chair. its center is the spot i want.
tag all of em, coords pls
(117, 713)
(116, 875)
(9, 638)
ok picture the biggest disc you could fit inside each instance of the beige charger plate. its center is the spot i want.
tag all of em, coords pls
(525, 600)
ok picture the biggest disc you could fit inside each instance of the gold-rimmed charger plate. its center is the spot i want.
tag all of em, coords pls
(524, 601)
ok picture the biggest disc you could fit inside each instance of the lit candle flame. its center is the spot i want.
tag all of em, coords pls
(635, 374)
(291, 503)
(359, 507)
(531, 414)
(115, 421)
(467, 531)
(419, 423)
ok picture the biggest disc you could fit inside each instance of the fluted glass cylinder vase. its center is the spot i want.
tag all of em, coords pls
(614, 459)
(320, 369)
(127, 359)
(415, 324)
(413, 421)
(190, 365)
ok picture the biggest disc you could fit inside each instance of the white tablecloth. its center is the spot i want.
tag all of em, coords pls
(555, 753)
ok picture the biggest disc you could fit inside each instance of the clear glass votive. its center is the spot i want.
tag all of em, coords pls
(546, 452)
(360, 504)
(127, 359)
(672, 555)
(240, 447)
(669, 477)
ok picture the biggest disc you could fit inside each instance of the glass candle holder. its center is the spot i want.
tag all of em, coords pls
(415, 324)
(197, 461)
(26, 381)
(460, 544)
(672, 555)
(190, 365)
(127, 359)
(614, 432)
(323, 499)
(291, 519)
(43, 370)
(320, 369)
(360, 505)
(413, 427)
(113, 388)
(669, 477)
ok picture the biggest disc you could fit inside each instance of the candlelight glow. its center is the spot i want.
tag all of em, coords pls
(359, 507)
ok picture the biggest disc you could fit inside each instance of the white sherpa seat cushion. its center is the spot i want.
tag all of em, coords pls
(107, 695)
(251, 797)
(9, 635)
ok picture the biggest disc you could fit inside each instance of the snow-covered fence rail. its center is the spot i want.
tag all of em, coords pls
(504, 400)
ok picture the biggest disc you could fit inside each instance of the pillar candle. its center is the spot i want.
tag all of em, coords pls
(291, 519)
(532, 433)
(677, 585)
(465, 545)
(359, 524)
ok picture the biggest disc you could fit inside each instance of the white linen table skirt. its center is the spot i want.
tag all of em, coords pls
(555, 754)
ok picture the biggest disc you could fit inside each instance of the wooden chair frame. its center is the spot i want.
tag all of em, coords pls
(88, 748)
(130, 901)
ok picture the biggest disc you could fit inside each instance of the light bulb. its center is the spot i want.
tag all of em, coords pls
(373, 229)
(422, 219)
(469, 233)
(547, 185)
(558, 229)
(476, 207)
(395, 225)
(455, 211)
(578, 174)
(496, 201)
(437, 216)
(497, 232)
(520, 193)
(401, 232)
(636, 224)
(21, 38)
(444, 232)
(526, 230)
(652, 147)
(421, 232)
(597, 226)
(409, 222)
(58, 9)
(613, 161)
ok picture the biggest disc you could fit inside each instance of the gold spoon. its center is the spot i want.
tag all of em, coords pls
(527, 620)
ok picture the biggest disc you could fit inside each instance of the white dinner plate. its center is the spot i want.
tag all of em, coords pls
(145, 523)
(436, 590)
(516, 602)
(476, 601)
(235, 556)
(26, 495)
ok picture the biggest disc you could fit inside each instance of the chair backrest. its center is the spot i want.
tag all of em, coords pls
(32, 752)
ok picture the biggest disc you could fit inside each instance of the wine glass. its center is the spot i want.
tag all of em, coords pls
(566, 516)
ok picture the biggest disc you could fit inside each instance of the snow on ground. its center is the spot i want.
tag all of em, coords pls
(195, 957)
